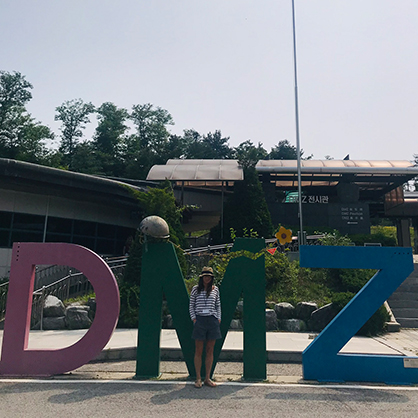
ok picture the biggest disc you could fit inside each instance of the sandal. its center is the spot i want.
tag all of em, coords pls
(198, 384)
(210, 383)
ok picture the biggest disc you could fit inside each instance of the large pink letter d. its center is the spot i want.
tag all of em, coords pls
(16, 359)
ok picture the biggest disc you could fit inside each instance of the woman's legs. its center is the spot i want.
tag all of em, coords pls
(210, 344)
(198, 357)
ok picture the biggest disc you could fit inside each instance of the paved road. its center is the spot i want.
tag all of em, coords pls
(137, 399)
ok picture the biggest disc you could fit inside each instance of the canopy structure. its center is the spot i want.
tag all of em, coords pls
(198, 173)
(373, 178)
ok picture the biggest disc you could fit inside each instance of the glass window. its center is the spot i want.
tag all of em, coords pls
(4, 238)
(50, 237)
(85, 228)
(5, 219)
(106, 231)
(28, 222)
(105, 246)
(59, 225)
(84, 241)
(27, 236)
(123, 233)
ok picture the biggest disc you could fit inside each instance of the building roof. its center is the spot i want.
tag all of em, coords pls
(34, 178)
(197, 170)
(340, 166)
(374, 177)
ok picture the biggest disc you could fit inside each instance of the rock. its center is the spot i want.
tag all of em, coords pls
(53, 307)
(77, 317)
(304, 309)
(293, 325)
(321, 317)
(284, 310)
(53, 323)
(271, 320)
(236, 324)
(270, 304)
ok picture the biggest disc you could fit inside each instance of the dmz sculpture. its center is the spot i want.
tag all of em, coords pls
(161, 272)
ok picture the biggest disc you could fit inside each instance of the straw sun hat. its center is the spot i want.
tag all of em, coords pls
(206, 271)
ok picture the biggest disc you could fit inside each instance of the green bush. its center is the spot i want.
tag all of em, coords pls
(245, 209)
(379, 237)
(160, 202)
(129, 304)
(376, 323)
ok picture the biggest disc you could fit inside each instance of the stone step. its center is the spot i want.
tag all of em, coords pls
(408, 322)
(402, 303)
(407, 287)
(405, 313)
(406, 296)
(410, 280)
(393, 326)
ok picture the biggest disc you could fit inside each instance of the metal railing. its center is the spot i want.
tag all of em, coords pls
(4, 287)
(73, 284)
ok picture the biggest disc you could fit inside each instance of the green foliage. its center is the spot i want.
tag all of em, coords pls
(335, 239)
(287, 282)
(283, 151)
(143, 149)
(246, 210)
(210, 146)
(74, 115)
(21, 137)
(80, 299)
(129, 305)
(132, 272)
(375, 324)
(386, 235)
(248, 155)
(160, 202)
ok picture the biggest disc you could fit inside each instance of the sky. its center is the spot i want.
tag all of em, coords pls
(228, 65)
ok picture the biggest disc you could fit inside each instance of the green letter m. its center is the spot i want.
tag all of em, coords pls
(161, 273)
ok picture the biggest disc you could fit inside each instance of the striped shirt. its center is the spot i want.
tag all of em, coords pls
(202, 305)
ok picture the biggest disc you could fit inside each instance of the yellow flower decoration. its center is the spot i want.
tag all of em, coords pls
(284, 235)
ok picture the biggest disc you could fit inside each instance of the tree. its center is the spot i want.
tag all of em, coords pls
(144, 149)
(108, 138)
(151, 125)
(246, 209)
(74, 115)
(217, 146)
(110, 129)
(21, 137)
(284, 150)
(248, 154)
(30, 139)
(210, 146)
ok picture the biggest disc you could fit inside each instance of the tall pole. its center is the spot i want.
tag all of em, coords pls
(301, 235)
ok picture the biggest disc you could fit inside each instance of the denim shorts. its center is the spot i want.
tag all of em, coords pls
(206, 328)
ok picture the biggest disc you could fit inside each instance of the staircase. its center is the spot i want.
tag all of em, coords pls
(404, 301)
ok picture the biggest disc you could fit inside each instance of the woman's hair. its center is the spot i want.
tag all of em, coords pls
(201, 286)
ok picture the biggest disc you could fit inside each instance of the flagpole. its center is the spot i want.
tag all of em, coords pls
(301, 235)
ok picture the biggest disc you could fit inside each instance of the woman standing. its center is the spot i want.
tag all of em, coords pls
(205, 312)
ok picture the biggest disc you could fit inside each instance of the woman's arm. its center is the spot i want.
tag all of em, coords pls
(218, 306)
(192, 304)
